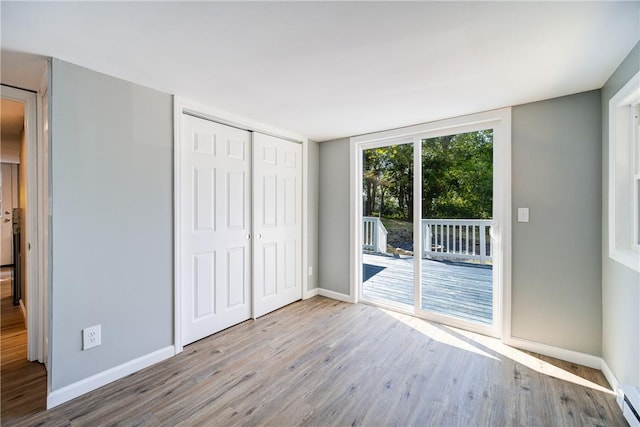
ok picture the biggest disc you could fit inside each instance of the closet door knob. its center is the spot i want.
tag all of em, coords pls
(248, 236)
(259, 236)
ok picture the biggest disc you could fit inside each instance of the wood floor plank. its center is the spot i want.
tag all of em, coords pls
(23, 384)
(322, 362)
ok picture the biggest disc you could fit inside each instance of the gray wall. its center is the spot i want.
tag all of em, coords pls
(333, 216)
(112, 221)
(556, 161)
(620, 284)
(556, 256)
(313, 155)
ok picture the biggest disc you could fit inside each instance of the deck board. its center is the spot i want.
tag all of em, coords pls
(455, 289)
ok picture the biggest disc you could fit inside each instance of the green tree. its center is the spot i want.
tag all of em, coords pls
(457, 176)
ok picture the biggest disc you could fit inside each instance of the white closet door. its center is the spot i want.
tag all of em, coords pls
(277, 223)
(216, 221)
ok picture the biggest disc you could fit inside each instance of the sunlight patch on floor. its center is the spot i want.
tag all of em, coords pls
(440, 334)
(436, 333)
(530, 361)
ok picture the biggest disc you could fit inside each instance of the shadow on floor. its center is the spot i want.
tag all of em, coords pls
(369, 270)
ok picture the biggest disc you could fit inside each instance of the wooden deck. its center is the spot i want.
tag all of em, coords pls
(460, 290)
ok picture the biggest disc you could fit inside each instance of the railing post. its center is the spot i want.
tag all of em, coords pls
(426, 238)
(382, 237)
(374, 236)
(483, 245)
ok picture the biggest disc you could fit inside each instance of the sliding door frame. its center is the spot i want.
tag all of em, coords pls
(500, 122)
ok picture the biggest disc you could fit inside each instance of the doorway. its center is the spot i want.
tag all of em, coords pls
(23, 327)
(13, 199)
(432, 223)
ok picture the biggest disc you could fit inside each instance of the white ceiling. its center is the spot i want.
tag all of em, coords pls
(333, 69)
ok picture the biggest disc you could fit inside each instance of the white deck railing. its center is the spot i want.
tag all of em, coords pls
(457, 239)
(374, 235)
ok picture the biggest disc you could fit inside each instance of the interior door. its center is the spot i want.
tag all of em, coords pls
(277, 189)
(215, 228)
(9, 201)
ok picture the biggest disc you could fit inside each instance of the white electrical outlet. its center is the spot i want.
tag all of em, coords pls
(91, 337)
(310, 272)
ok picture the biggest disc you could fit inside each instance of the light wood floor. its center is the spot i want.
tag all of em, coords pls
(23, 384)
(322, 362)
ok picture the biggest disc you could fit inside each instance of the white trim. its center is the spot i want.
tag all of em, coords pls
(618, 389)
(504, 206)
(621, 247)
(355, 226)
(610, 377)
(500, 122)
(177, 221)
(306, 294)
(93, 382)
(305, 219)
(34, 331)
(579, 358)
(233, 120)
(180, 105)
(417, 229)
(335, 295)
(459, 124)
(44, 205)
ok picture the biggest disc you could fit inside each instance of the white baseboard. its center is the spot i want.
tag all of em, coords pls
(557, 352)
(86, 385)
(632, 395)
(310, 293)
(611, 378)
(23, 309)
(335, 295)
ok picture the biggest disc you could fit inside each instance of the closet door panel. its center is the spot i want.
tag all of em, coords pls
(277, 223)
(215, 268)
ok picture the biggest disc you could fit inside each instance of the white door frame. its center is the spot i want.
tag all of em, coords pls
(182, 105)
(500, 121)
(35, 282)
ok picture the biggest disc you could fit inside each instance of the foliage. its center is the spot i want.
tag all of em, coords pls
(457, 178)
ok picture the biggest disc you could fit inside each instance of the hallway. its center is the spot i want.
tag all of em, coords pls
(23, 384)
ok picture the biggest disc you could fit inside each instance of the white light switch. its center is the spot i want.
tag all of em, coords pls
(523, 214)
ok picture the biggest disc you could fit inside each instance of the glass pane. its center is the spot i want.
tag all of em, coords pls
(457, 200)
(387, 224)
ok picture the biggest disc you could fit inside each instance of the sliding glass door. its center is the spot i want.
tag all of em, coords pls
(427, 226)
(387, 225)
(456, 278)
